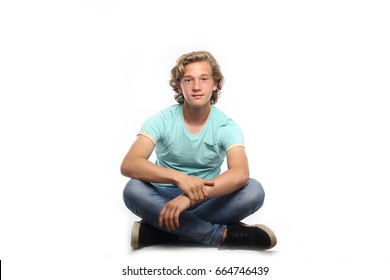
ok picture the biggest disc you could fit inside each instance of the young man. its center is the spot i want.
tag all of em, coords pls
(183, 194)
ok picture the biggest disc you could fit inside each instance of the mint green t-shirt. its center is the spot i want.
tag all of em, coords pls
(200, 155)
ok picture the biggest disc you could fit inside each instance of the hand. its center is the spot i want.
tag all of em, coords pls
(169, 215)
(194, 188)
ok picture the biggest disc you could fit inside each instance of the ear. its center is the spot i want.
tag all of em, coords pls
(178, 87)
(215, 85)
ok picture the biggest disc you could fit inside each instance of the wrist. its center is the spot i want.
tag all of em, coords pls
(187, 199)
(177, 177)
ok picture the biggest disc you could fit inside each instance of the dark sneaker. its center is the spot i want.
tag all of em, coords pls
(249, 237)
(144, 235)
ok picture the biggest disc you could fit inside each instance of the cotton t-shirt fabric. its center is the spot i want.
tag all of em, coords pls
(200, 155)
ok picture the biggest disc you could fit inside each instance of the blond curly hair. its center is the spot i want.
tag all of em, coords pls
(178, 71)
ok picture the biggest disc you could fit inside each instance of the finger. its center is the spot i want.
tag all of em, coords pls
(200, 194)
(173, 218)
(196, 195)
(166, 219)
(205, 192)
(161, 217)
(190, 196)
(208, 183)
(170, 222)
(192, 202)
(176, 218)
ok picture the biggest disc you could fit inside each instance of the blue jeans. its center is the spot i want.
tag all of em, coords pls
(204, 222)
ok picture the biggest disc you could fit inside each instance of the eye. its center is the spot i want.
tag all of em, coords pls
(205, 79)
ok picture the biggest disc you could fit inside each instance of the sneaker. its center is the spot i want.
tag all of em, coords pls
(144, 235)
(249, 237)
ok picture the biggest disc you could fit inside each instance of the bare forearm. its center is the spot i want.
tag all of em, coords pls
(228, 182)
(143, 169)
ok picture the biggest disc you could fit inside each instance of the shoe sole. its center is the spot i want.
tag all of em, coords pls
(135, 235)
(270, 233)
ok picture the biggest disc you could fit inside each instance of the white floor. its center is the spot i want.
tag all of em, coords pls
(305, 250)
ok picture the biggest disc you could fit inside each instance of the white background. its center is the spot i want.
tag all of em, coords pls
(308, 82)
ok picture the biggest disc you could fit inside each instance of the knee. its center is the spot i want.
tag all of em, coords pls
(256, 193)
(131, 190)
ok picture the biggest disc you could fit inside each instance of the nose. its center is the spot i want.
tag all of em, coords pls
(196, 85)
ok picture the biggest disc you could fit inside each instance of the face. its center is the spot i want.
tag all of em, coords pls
(197, 84)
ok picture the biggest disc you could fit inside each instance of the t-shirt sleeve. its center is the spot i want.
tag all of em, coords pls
(153, 128)
(231, 135)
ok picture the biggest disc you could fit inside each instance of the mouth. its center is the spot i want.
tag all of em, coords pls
(197, 96)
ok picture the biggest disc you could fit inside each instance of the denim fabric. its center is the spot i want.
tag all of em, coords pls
(203, 223)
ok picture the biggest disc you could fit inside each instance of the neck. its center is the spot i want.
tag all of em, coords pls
(197, 116)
